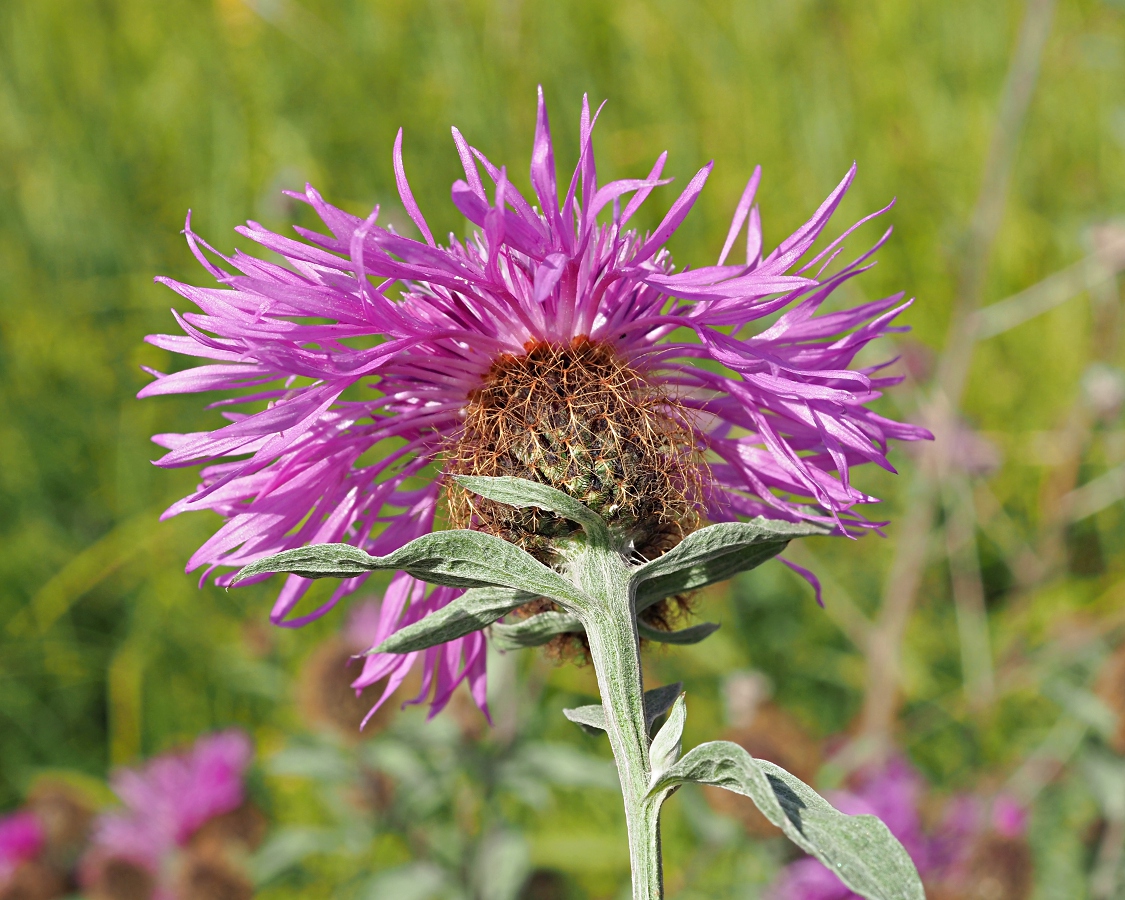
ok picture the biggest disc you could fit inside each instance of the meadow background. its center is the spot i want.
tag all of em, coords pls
(994, 604)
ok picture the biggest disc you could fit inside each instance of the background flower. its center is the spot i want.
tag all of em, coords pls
(21, 839)
(166, 804)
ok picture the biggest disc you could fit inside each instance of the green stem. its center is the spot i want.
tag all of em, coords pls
(611, 629)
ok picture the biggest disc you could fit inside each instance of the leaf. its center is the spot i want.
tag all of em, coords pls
(534, 631)
(501, 866)
(325, 763)
(412, 881)
(539, 629)
(464, 559)
(315, 561)
(475, 609)
(692, 635)
(665, 747)
(1105, 773)
(590, 719)
(287, 848)
(1083, 705)
(521, 493)
(860, 849)
(563, 765)
(714, 554)
(657, 702)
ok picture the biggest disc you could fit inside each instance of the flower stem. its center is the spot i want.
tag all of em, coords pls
(611, 629)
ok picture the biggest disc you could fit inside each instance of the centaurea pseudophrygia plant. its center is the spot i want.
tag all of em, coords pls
(588, 406)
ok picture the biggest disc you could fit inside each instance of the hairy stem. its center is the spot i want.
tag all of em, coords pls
(611, 629)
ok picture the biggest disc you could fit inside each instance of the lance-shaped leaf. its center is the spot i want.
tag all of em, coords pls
(521, 493)
(464, 559)
(590, 719)
(714, 554)
(692, 635)
(657, 702)
(534, 631)
(475, 609)
(860, 849)
(665, 747)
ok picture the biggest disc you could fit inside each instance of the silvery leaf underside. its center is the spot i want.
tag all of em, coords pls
(500, 577)
(860, 850)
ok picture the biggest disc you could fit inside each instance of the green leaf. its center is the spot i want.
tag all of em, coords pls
(692, 635)
(464, 559)
(860, 849)
(534, 631)
(539, 629)
(314, 561)
(665, 747)
(287, 848)
(714, 554)
(521, 493)
(475, 609)
(500, 868)
(657, 702)
(412, 881)
(561, 765)
(590, 719)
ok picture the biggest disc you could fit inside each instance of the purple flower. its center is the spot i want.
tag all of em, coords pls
(967, 821)
(21, 839)
(168, 800)
(775, 417)
(1009, 817)
(807, 879)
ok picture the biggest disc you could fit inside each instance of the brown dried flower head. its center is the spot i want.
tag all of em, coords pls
(209, 876)
(327, 699)
(66, 813)
(240, 831)
(33, 880)
(580, 418)
(117, 878)
(1000, 868)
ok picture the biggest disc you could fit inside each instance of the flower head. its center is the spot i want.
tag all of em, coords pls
(165, 804)
(325, 694)
(556, 344)
(21, 840)
(980, 849)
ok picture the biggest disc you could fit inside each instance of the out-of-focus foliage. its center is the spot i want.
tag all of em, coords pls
(117, 116)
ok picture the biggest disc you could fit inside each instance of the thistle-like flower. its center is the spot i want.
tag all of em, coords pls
(166, 806)
(554, 344)
(21, 840)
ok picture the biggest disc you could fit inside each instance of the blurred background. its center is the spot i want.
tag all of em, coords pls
(975, 643)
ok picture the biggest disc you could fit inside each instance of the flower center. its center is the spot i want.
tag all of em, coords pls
(577, 417)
